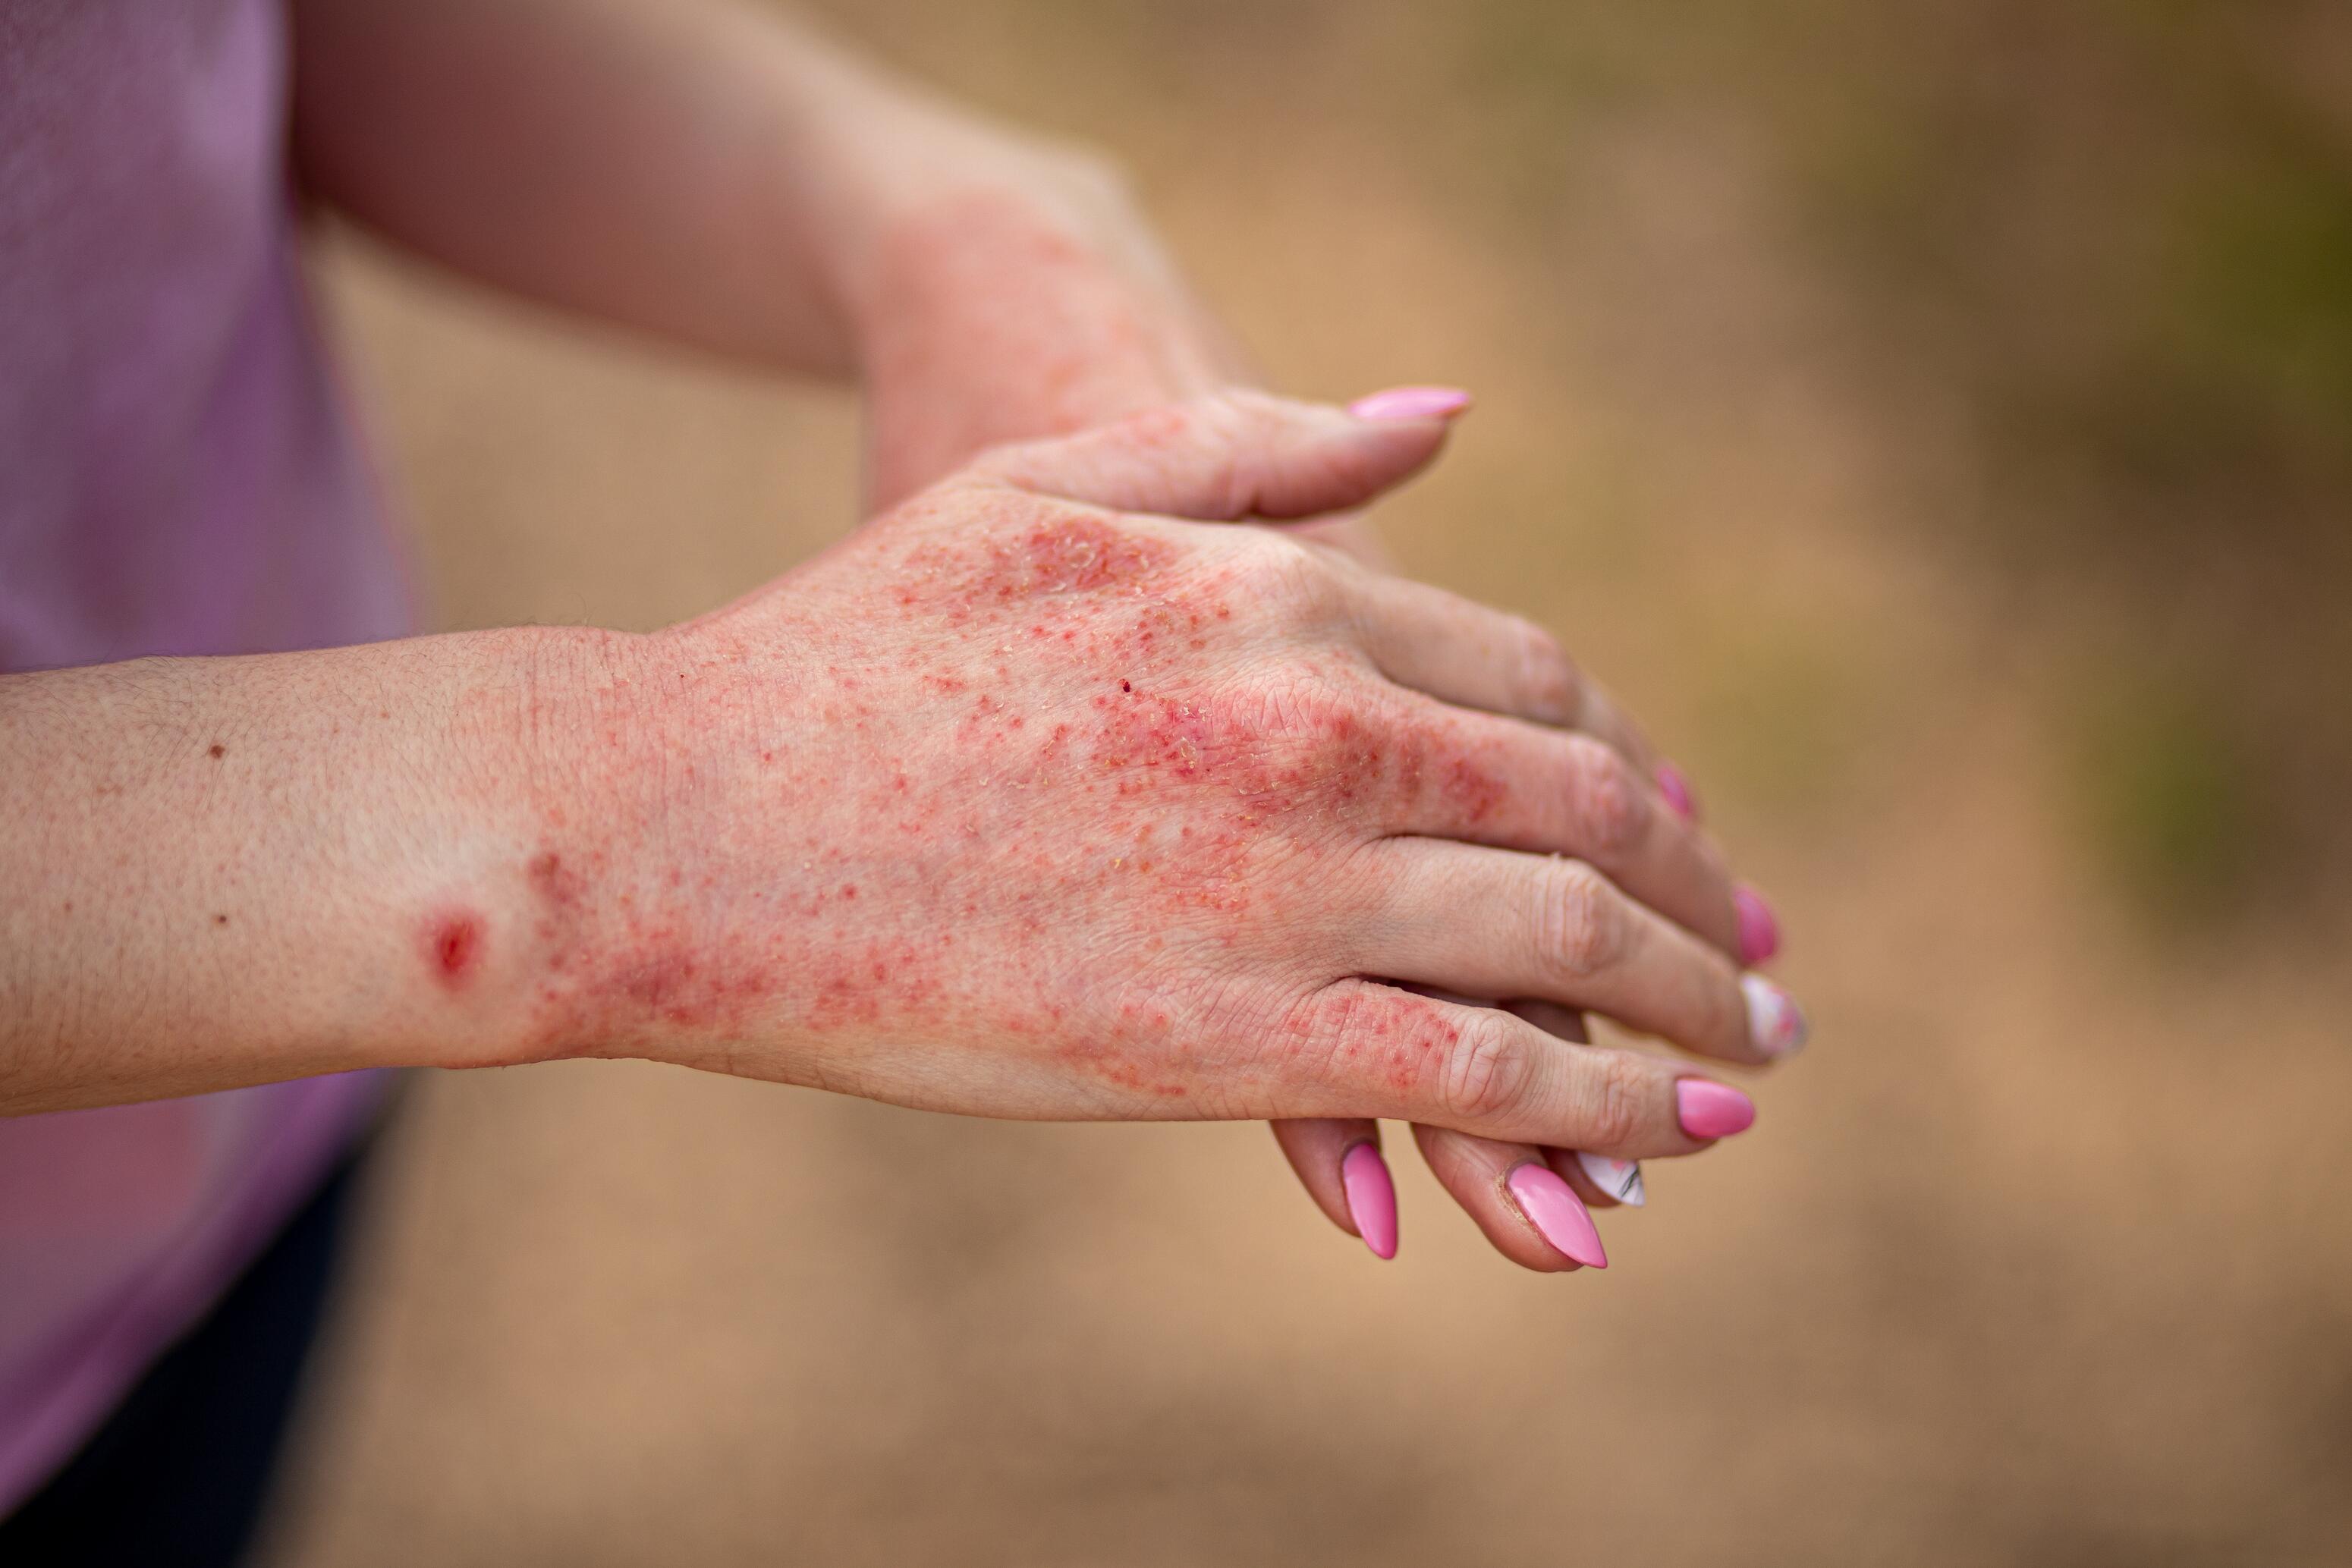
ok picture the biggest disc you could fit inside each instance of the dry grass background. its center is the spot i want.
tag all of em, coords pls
(1861, 395)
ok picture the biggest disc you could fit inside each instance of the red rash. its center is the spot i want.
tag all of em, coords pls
(1077, 555)
(979, 800)
(1067, 556)
(614, 972)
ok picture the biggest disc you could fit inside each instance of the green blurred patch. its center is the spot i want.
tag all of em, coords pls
(2262, 295)
(2167, 795)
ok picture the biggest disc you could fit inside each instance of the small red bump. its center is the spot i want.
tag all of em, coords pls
(453, 949)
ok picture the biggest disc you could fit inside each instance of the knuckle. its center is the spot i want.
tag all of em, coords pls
(1296, 710)
(1321, 738)
(1289, 575)
(1613, 1105)
(1230, 426)
(1489, 1072)
(1610, 808)
(1546, 676)
(1580, 926)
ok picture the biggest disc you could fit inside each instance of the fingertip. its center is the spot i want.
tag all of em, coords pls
(1372, 1199)
(1706, 1109)
(1759, 928)
(1559, 1216)
(1776, 1024)
(1620, 1180)
(1392, 404)
(1674, 786)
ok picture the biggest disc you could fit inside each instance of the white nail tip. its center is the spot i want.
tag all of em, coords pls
(1774, 1022)
(1621, 1179)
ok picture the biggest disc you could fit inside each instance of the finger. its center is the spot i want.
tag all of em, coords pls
(1361, 1048)
(1514, 785)
(1467, 653)
(1512, 1193)
(1492, 922)
(1338, 1160)
(1234, 455)
(1600, 1181)
(1470, 655)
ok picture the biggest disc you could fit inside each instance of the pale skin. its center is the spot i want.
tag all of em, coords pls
(1028, 800)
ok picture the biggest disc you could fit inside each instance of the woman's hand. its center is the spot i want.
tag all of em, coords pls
(1029, 799)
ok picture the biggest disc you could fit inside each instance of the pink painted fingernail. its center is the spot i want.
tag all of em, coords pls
(1621, 1179)
(1559, 1216)
(1709, 1110)
(1775, 1022)
(1760, 931)
(1372, 1198)
(1677, 790)
(1411, 403)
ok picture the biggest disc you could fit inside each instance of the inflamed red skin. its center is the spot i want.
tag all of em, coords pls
(1051, 826)
(1022, 802)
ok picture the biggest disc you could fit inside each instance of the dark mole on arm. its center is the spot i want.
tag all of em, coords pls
(220, 751)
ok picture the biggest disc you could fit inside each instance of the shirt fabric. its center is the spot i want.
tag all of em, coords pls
(177, 476)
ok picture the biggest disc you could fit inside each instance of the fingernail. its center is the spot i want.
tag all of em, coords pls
(1411, 403)
(1677, 790)
(1621, 1179)
(1774, 1020)
(1372, 1198)
(1710, 1110)
(1559, 1216)
(1760, 931)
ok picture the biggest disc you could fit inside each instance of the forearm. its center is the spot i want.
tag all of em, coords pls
(231, 870)
(702, 170)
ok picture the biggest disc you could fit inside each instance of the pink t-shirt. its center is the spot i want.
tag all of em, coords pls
(176, 476)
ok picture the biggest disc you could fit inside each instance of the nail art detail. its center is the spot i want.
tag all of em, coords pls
(1774, 1021)
(1559, 1216)
(1759, 928)
(1372, 1198)
(1411, 403)
(1675, 788)
(1710, 1110)
(1621, 1179)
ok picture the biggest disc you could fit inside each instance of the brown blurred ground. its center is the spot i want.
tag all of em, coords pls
(1940, 426)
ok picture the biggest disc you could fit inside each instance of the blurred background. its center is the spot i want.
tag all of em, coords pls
(1936, 420)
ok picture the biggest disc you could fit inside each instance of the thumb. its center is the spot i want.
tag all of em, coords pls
(1240, 454)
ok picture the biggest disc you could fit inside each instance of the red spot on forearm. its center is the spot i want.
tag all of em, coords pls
(453, 944)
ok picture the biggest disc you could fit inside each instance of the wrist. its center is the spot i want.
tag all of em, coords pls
(937, 214)
(633, 761)
(542, 773)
